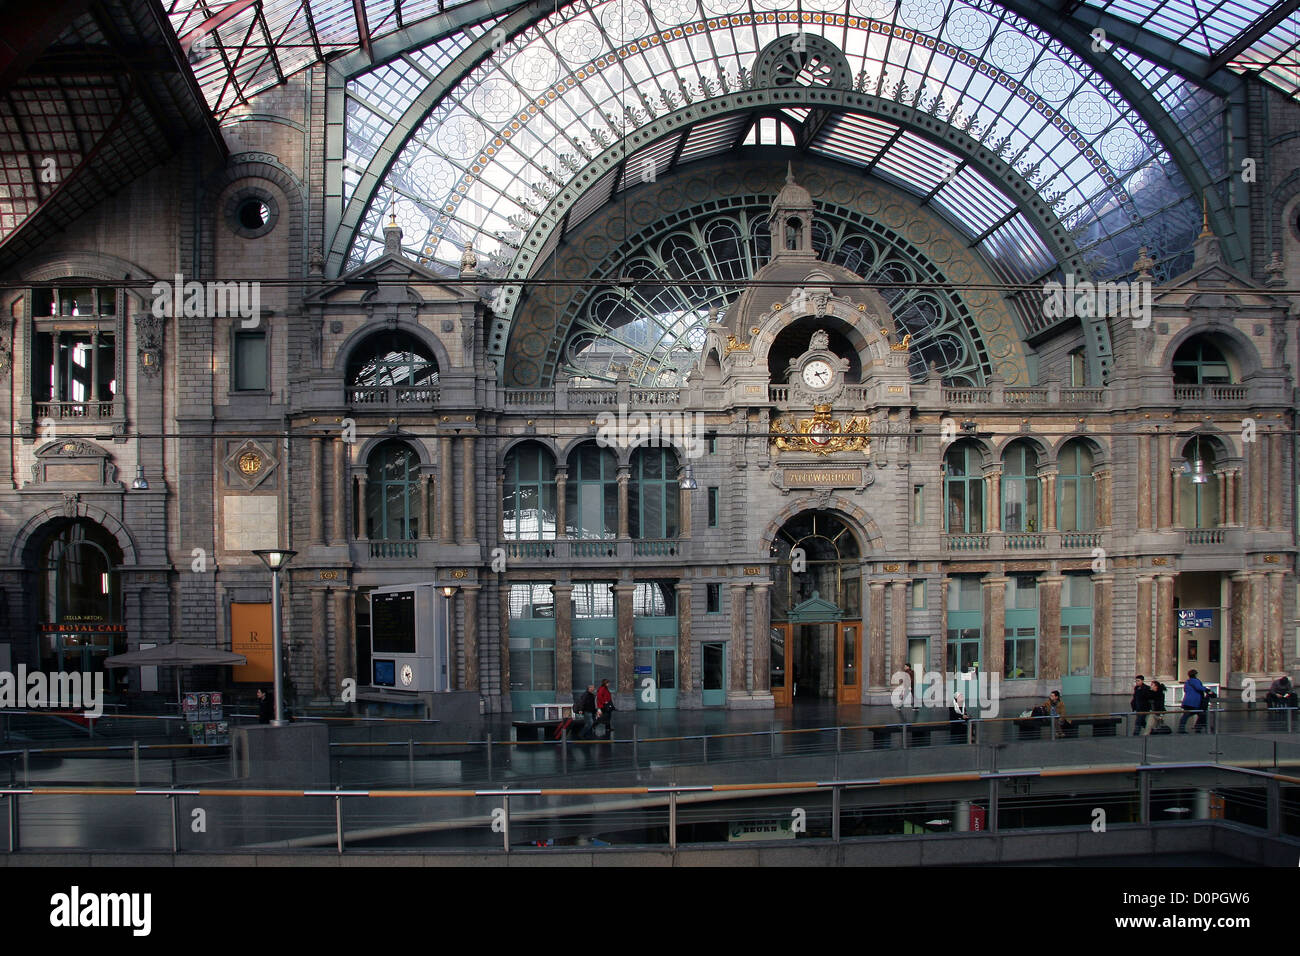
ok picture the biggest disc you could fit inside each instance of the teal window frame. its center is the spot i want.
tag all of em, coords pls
(654, 494)
(529, 478)
(379, 499)
(1200, 362)
(591, 489)
(1021, 513)
(1075, 481)
(963, 492)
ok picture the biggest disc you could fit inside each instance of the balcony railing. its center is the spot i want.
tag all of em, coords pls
(1209, 393)
(62, 410)
(1080, 539)
(967, 542)
(594, 548)
(394, 396)
(1022, 541)
(394, 549)
(656, 547)
(530, 549)
(603, 548)
(1026, 542)
(1194, 536)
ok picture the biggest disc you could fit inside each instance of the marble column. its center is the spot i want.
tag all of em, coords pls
(1254, 622)
(1255, 485)
(993, 489)
(468, 492)
(1221, 485)
(1273, 662)
(993, 654)
(1237, 639)
(1049, 626)
(1104, 512)
(561, 509)
(685, 508)
(626, 640)
(338, 530)
(624, 478)
(563, 641)
(897, 628)
(320, 662)
(1144, 483)
(363, 533)
(1177, 498)
(429, 516)
(1234, 497)
(736, 645)
(345, 644)
(1048, 504)
(1164, 500)
(684, 682)
(453, 644)
(503, 600)
(469, 675)
(1276, 508)
(877, 674)
(1103, 645)
(1145, 628)
(499, 507)
(317, 504)
(421, 507)
(761, 606)
(1166, 666)
(447, 475)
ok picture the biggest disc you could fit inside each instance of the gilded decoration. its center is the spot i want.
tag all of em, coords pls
(823, 434)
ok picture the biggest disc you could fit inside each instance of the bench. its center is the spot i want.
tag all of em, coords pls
(918, 735)
(1031, 728)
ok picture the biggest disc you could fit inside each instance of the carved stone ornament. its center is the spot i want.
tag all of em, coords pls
(149, 333)
(821, 341)
(6, 359)
(822, 434)
(73, 461)
(249, 465)
(70, 504)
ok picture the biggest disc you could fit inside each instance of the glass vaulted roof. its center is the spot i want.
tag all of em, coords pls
(487, 160)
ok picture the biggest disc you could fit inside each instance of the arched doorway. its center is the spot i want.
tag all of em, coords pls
(79, 615)
(816, 639)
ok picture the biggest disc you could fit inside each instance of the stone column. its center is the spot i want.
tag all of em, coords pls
(1145, 628)
(897, 629)
(1103, 648)
(561, 509)
(317, 504)
(421, 508)
(626, 642)
(736, 645)
(503, 600)
(338, 533)
(1255, 483)
(469, 676)
(1104, 511)
(684, 683)
(624, 477)
(452, 643)
(363, 533)
(877, 674)
(1163, 498)
(1047, 496)
(499, 507)
(429, 508)
(1237, 654)
(1143, 441)
(1233, 498)
(1276, 504)
(447, 475)
(345, 658)
(320, 662)
(685, 511)
(469, 492)
(1254, 621)
(762, 618)
(993, 494)
(1166, 632)
(1049, 626)
(1177, 498)
(1273, 662)
(563, 641)
(1221, 483)
(993, 656)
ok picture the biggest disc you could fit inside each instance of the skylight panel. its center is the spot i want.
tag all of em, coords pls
(973, 201)
(646, 165)
(593, 199)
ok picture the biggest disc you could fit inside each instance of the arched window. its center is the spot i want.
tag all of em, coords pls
(964, 490)
(528, 494)
(391, 359)
(81, 594)
(1199, 362)
(1198, 485)
(1020, 488)
(591, 493)
(1075, 489)
(653, 496)
(792, 228)
(392, 493)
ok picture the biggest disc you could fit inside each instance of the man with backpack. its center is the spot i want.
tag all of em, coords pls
(1140, 704)
(1196, 700)
(588, 712)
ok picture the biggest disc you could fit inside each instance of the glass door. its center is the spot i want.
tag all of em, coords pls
(713, 670)
(779, 644)
(848, 663)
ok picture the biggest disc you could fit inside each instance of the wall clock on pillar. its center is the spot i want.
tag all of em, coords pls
(408, 675)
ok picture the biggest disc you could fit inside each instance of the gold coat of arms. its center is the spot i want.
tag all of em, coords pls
(822, 434)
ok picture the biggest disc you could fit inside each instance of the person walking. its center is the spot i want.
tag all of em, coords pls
(265, 707)
(588, 712)
(1140, 704)
(908, 699)
(605, 707)
(1156, 699)
(1196, 700)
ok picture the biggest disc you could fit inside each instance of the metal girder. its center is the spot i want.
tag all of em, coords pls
(340, 233)
(1075, 34)
(363, 27)
(96, 61)
(214, 21)
(1252, 34)
(1075, 30)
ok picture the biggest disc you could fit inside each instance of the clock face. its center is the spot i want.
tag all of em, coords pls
(818, 374)
(408, 674)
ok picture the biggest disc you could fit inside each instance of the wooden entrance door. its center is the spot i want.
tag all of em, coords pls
(848, 662)
(781, 666)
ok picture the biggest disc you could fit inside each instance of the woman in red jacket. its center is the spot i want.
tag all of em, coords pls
(605, 707)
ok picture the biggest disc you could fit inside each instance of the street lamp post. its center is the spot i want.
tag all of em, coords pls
(275, 560)
(447, 592)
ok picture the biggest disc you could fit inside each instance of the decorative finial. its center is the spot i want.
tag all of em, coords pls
(392, 215)
(789, 172)
(1144, 263)
(1205, 217)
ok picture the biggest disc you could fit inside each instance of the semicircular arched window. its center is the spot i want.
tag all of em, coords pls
(654, 495)
(1075, 488)
(1020, 488)
(964, 490)
(1198, 484)
(1199, 361)
(528, 490)
(391, 367)
(393, 493)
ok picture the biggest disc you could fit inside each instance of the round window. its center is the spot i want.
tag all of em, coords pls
(251, 212)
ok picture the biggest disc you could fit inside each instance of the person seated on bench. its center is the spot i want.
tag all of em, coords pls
(1281, 693)
(1055, 707)
(958, 718)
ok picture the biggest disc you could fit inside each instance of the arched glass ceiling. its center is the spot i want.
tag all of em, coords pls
(486, 161)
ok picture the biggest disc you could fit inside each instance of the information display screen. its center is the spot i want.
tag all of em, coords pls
(392, 622)
(385, 673)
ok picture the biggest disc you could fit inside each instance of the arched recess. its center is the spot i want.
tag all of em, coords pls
(252, 166)
(358, 338)
(859, 521)
(34, 532)
(417, 445)
(1242, 356)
